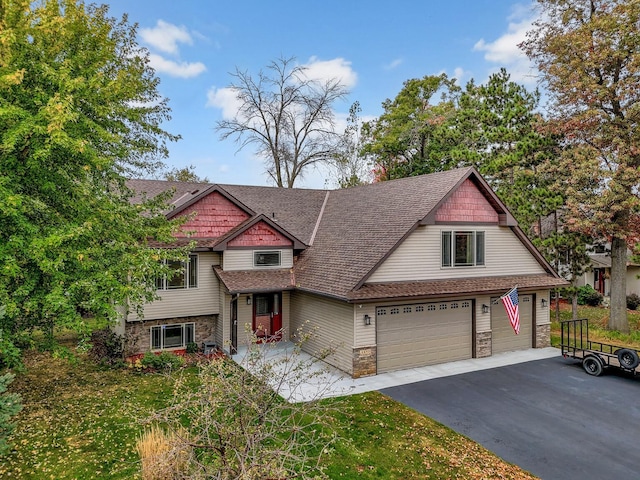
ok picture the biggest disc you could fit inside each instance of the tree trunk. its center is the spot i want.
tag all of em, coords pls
(574, 305)
(618, 312)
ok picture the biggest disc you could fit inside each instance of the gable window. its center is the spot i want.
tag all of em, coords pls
(462, 248)
(185, 275)
(266, 259)
(172, 336)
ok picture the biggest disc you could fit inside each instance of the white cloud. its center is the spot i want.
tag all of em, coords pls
(504, 51)
(176, 69)
(393, 64)
(166, 36)
(324, 70)
(225, 99)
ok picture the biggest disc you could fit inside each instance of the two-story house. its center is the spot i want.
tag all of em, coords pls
(391, 275)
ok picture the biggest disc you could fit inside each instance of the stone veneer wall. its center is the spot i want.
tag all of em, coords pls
(483, 344)
(543, 336)
(140, 331)
(364, 361)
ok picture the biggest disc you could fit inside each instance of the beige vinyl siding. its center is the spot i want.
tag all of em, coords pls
(365, 335)
(483, 320)
(223, 326)
(543, 314)
(243, 259)
(419, 256)
(203, 300)
(331, 324)
(245, 320)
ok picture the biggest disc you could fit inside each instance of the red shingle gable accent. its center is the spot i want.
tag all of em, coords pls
(467, 204)
(260, 235)
(216, 215)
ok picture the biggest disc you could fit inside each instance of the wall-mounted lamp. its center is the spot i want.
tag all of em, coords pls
(248, 299)
(485, 308)
(544, 303)
(367, 320)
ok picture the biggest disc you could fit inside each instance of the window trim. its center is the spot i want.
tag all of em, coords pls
(448, 240)
(162, 329)
(267, 252)
(189, 273)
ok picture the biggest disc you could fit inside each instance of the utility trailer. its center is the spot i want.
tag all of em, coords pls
(595, 356)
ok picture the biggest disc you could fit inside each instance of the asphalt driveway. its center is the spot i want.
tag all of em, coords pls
(547, 416)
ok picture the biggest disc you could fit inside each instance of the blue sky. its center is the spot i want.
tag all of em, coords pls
(374, 46)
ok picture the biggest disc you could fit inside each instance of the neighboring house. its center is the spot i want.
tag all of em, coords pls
(598, 274)
(391, 275)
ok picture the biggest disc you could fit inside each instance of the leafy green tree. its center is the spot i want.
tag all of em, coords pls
(351, 166)
(185, 174)
(401, 139)
(79, 111)
(588, 52)
(288, 116)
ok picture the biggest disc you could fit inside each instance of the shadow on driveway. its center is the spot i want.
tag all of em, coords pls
(548, 416)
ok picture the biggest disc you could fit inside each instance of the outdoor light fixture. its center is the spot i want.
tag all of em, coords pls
(544, 303)
(367, 320)
(248, 299)
(485, 308)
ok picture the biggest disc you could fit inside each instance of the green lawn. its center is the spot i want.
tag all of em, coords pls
(82, 421)
(598, 320)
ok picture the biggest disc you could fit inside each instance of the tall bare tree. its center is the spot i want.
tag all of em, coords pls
(287, 115)
(588, 52)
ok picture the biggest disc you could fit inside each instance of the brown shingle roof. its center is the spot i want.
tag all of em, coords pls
(297, 210)
(357, 229)
(455, 287)
(255, 281)
(361, 225)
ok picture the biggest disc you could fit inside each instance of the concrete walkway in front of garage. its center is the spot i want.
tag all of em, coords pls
(324, 381)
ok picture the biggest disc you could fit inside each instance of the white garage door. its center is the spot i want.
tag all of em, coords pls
(423, 334)
(503, 338)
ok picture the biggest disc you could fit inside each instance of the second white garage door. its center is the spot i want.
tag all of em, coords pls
(423, 334)
(503, 338)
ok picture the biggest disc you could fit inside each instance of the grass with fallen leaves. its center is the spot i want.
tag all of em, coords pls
(598, 321)
(83, 421)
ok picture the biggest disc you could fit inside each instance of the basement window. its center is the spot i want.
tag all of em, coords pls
(172, 336)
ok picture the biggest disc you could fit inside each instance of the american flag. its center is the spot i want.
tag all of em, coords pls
(510, 302)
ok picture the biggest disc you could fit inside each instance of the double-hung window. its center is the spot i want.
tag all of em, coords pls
(462, 248)
(183, 275)
(172, 336)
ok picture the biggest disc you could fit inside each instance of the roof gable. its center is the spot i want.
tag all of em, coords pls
(260, 235)
(466, 205)
(259, 232)
(472, 200)
(215, 215)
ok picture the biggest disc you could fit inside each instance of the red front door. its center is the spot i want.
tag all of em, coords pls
(267, 315)
(598, 280)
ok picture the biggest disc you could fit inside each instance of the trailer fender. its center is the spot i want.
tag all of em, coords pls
(593, 365)
(628, 358)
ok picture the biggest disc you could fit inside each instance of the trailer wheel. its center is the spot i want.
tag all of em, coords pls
(628, 358)
(592, 365)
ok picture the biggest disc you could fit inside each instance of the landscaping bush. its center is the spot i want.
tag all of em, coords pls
(106, 347)
(633, 301)
(192, 347)
(10, 405)
(588, 296)
(161, 361)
